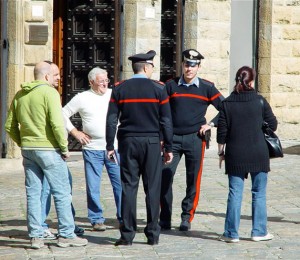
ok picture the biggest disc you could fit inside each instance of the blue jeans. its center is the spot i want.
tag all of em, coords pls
(94, 160)
(37, 165)
(259, 207)
(46, 200)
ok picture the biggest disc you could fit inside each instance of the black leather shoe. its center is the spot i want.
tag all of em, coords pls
(165, 225)
(152, 242)
(185, 225)
(122, 242)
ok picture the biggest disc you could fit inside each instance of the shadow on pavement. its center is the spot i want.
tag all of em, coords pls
(18, 238)
(191, 233)
(270, 219)
(15, 238)
(292, 150)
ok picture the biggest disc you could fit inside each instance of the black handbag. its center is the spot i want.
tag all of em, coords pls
(272, 140)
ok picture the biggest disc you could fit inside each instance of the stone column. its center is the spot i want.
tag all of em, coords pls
(264, 49)
(279, 62)
(207, 29)
(23, 53)
(141, 32)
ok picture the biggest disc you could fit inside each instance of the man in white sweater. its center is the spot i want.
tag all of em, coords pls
(92, 107)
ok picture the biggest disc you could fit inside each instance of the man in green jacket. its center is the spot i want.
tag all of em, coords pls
(36, 124)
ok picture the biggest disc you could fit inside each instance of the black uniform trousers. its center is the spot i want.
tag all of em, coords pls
(140, 156)
(193, 148)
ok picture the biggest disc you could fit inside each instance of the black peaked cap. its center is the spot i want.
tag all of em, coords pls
(192, 55)
(143, 57)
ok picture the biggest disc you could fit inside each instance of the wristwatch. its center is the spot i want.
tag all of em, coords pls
(211, 124)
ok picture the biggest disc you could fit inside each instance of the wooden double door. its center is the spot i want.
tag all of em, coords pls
(87, 33)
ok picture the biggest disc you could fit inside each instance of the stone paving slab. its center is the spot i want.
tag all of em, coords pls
(199, 243)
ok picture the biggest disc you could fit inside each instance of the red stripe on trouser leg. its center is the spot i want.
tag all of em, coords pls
(198, 183)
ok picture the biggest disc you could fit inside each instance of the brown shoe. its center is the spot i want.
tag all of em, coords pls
(75, 241)
(99, 227)
(36, 242)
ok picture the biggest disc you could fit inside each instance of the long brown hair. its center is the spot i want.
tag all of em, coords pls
(243, 78)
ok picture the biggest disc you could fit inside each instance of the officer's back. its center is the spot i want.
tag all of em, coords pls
(139, 100)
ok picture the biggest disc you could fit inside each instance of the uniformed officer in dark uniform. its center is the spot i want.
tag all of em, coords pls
(189, 98)
(142, 107)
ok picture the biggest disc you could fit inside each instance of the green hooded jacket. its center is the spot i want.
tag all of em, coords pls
(35, 118)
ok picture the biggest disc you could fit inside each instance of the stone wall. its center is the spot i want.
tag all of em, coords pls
(141, 33)
(279, 63)
(207, 29)
(23, 53)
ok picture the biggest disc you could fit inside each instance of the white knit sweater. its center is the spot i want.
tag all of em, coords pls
(92, 108)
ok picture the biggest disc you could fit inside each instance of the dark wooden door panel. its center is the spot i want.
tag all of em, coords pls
(171, 38)
(91, 39)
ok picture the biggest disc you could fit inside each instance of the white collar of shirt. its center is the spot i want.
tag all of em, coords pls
(182, 82)
(99, 94)
(139, 76)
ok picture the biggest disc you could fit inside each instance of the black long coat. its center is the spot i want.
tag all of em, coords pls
(240, 128)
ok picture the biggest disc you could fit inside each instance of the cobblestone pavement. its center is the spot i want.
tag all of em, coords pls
(283, 201)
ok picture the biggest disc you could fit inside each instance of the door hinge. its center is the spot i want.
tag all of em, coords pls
(5, 44)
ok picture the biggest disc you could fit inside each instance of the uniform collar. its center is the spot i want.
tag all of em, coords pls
(194, 83)
(139, 76)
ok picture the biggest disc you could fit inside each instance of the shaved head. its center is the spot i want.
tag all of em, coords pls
(41, 70)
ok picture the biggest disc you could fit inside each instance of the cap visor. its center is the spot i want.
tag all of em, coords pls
(191, 63)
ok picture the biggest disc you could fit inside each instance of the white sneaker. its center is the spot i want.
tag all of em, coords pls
(48, 235)
(228, 239)
(264, 238)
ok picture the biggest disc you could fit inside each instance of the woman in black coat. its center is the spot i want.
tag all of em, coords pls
(240, 134)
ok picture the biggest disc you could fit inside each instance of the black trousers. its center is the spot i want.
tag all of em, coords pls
(193, 148)
(140, 156)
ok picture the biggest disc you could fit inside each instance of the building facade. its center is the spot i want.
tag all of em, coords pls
(81, 34)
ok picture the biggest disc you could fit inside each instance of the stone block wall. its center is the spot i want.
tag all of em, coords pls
(141, 33)
(207, 29)
(279, 63)
(23, 54)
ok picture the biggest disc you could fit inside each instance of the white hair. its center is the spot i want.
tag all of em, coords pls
(95, 71)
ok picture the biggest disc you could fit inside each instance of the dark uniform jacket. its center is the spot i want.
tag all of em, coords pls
(142, 107)
(189, 104)
(240, 128)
